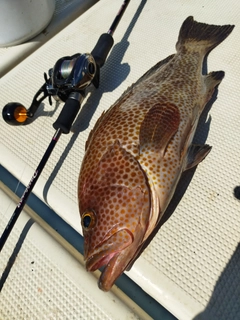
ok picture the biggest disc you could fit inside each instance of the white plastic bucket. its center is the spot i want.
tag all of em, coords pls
(21, 20)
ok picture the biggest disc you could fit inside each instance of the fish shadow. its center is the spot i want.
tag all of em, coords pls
(113, 66)
(200, 137)
(225, 299)
(236, 192)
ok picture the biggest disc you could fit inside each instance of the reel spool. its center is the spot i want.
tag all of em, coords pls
(69, 74)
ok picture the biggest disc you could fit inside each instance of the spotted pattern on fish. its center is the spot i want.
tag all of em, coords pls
(115, 202)
(138, 149)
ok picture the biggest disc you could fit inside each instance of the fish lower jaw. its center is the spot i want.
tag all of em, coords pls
(95, 262)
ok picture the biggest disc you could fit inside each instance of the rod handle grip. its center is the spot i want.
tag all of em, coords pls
(102, 48)
(68, 113)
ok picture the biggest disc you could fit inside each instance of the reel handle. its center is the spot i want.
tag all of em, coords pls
(15, 114)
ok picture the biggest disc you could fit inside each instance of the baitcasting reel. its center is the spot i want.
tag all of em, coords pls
(69, 75)
(67, 82)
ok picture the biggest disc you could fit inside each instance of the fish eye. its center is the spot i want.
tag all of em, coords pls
(88, 219)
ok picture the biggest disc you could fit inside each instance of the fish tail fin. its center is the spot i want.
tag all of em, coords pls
(201, 37)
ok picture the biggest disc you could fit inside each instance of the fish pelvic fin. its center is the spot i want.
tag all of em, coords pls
(195, 36)
(196, 154)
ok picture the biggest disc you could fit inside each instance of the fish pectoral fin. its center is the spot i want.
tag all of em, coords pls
(158, 127)
(196, 154)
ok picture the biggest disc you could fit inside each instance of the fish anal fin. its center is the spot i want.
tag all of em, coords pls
(196, 154)
(158, 127)
(213, 79)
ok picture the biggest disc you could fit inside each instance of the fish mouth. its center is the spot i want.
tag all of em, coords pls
(97, 261)
(110, 259)
(111, 271)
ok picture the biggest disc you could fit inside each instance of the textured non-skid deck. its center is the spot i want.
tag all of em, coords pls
(192, 265)
(42, 280)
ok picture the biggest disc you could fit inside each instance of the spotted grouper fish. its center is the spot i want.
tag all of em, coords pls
(138, 149)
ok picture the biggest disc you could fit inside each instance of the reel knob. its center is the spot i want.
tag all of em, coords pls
(15, 114)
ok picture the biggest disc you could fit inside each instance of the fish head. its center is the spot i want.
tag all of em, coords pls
(115, 207)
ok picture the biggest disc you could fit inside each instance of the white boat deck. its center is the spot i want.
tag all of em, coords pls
(192, 265)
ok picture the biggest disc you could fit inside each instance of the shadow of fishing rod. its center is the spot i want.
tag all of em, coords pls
(113, 66)
(15, 253)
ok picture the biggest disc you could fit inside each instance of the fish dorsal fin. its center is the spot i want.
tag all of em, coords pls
(94, 129)
(154, 68)
(158, 127)
(196, 154)
(146, 75)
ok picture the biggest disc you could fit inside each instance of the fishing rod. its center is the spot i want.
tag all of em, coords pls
(66, 82)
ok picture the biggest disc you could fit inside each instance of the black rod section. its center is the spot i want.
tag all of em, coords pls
(118, 17)
(28, 189)
(105, 42)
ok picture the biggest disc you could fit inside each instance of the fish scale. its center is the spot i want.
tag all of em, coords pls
(138, 149)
